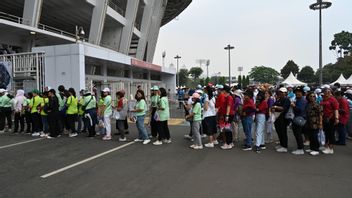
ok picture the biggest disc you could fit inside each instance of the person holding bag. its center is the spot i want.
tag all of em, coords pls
(299, 109)
(121, 109)
(90, 113)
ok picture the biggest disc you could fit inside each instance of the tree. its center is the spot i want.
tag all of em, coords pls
(195, 72)
(239, 81)
(263, 74)
(183, 75)
(222, 80)
(342, 43)
(332, 71)
(247, 80)
(307, 75)
(288, 68)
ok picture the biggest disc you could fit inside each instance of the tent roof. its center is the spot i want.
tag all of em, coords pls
(292, 80)
(349, 81)
(342, 80)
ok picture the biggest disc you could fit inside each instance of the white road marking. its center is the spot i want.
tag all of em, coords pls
(19, 143)
(86, 160)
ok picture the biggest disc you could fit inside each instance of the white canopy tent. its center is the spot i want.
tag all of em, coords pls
(349, 81)
(341, 80)
(292, 80)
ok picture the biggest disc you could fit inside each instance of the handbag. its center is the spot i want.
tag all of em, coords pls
(321, 137)
(156, 116)
(116, 115)
(299, 121)
(290, 114)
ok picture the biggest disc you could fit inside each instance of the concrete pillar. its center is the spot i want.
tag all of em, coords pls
(31, 12)
(97, 22)
(127, 31)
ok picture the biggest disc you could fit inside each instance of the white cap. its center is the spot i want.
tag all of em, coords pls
(199, 91)
(317, 91)
(238, 93)
(2, 90)
(289, 86)
(349, 91)
(106, 90)
(325, 86)
(283, 90)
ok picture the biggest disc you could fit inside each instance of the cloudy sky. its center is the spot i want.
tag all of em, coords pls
(264, 32)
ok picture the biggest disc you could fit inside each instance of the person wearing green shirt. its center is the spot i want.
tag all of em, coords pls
(81, 113)
(164, 115)
(90, 113)
(6, 103)
(27, 112)
(106, 112)
(72, 112)
(61, 96)
(139, 110)
(34, 105)
(44, 104)
(196, 116)
(153, 108)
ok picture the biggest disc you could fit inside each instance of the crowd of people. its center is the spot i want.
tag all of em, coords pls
(51, 113)
(319, 118)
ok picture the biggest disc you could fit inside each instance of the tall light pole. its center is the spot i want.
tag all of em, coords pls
(319, 5)
(177, 74)
(207, 64)
(229, 48)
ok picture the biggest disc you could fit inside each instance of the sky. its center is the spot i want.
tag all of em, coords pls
(263, 32)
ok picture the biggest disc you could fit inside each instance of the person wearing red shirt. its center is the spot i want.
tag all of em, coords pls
(228, 114)
(344, 112)
(260, 118)
(248, 110)
(330, 119)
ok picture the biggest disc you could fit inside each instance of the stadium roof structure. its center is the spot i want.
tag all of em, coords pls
(173, 9)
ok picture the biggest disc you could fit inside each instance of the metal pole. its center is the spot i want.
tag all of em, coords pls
(177, 73)
(320, 49)
(229, 66)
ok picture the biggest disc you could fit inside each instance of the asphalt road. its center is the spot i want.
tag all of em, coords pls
(172, 170)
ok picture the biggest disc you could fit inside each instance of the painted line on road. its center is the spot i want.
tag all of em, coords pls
(85, 161)
(19, 143)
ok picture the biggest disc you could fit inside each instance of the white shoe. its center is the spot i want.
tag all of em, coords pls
(278, 147)
(306, 143)
(209, 145)
(138, 140)
(281, 150)
(36, 134)
(192, 146)
(43, 135)
(146, 141)
(298, 152)
(308, 151)
(49, 137)
(1, 132)
(204, 136)
(157, 143)
(187, 136)
(328, 151)
(198, 147)
(226, 146)
(122, 139)
(167, 141)
(72, 134)
(314, 153)
(215, 142)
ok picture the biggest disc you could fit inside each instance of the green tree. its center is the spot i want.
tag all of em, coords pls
(222, 80)
(307, 75)
(195, 72)
(342, 43)
(247, 80)
(332, 71)
(183, 75)
(239, 80)
(263, 74)
(288, 68)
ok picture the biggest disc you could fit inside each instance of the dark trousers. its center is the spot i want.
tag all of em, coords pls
(297, 131)
(341, 131)
(36, 121)
(71, 120)
(163, 130)
(281, 128)
(153, 124)
(53, 124)
(120, 126)
(329, 129)
(28, 118)
(313, 139)
(6, 116)
(126, 125)
(19, 120)
(91, 121)
(228, 136)
(62, 120)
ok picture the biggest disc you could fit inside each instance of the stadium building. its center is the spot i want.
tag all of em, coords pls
(84, 43)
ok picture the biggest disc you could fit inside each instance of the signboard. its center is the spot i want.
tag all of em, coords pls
(145, 65)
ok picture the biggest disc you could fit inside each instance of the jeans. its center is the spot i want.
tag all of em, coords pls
(80, 121)
(142, 131)
(341, 131)
(313, 139)
(260, 128)
(45, 123)
(196, 134)
(247, 128)
(269, 129)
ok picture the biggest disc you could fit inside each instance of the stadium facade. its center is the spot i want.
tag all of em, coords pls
(85, 43)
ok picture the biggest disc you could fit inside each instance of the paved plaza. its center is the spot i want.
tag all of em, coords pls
(84, 167)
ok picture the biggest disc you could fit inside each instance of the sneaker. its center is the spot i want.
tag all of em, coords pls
(187, 136)
(215, 142)
(278, 147)
(123, 139)
(49, 137)
(257, 149)
(232, 144)
(308, 150)
(198, 147)
(36, 134)
(281, 150)
(204, 136)
(138, 140)
(146, 141)
(43, 135)
(192, 146)
(167, 141)
(246, 148)
(328, 151)
(321, 148)
(262, 147)
(106, 138)
(75, 134)
(314, 153)
(2, 131)
(157, 143)
(226, 146)
(209, 145)
(298, 152)
(306, 143)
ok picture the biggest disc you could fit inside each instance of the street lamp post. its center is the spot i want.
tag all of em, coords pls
(319, 5)
(207, 64)
(177, 74)
(79, 32)
(229, 48)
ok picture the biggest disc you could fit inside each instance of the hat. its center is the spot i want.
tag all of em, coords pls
(227, 88)
(283, 90)
(2, 90)
(306, 89)
(87, 92)
(299, 89)
(325, 86)
(199, 87)
(289, 86)
(219, 86)
(122, 91)
(200, 92)
(36, 91)
(106, 90)
(238, 93)
(155, 88)
(348, 92)
(195, 95)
